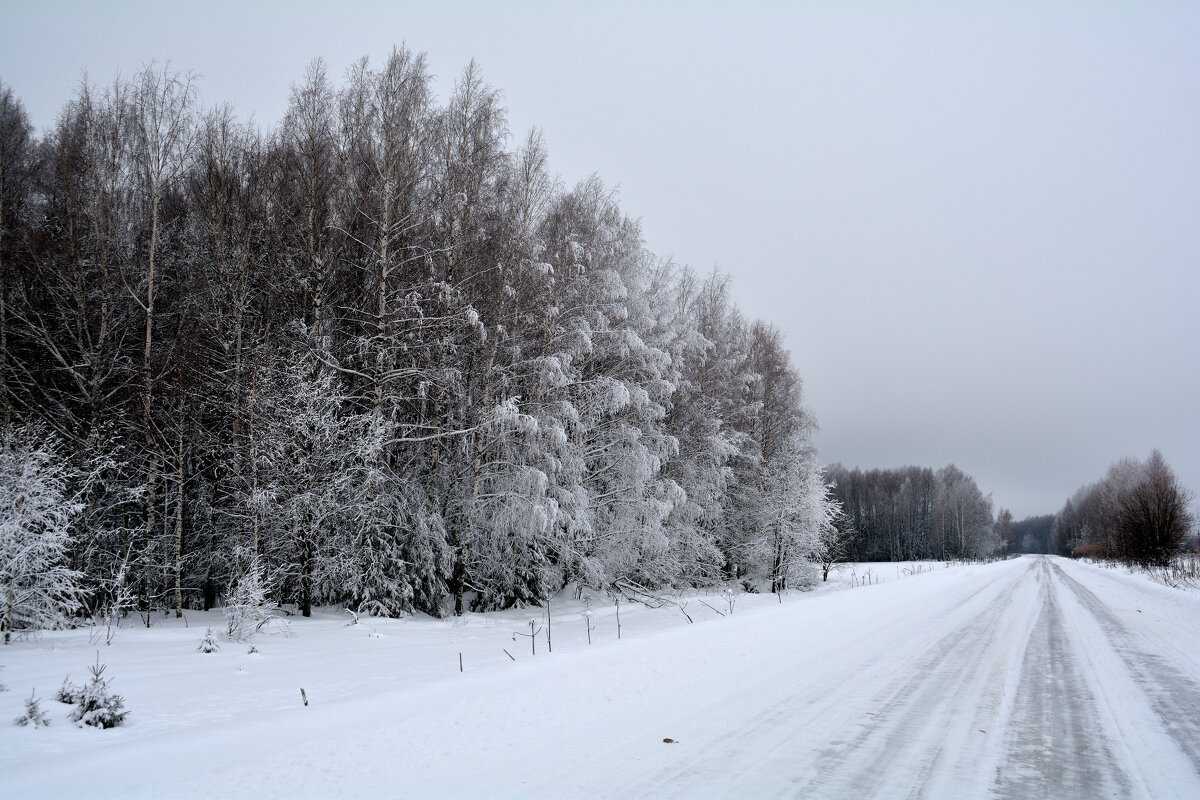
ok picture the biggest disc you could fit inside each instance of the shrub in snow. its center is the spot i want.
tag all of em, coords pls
(730, 598)
(804, 575)
(68, 693)
(119, 601)
(96, 706)
(37, 586)
(34, 714)
(209, 643)
(246, 608)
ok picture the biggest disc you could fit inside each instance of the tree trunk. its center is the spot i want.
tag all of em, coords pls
(179, 514)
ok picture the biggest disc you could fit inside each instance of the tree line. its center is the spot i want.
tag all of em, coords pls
(914, 513)
(373, 356)
(1137, 513)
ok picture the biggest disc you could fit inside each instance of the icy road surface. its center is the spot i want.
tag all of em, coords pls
(1034, 677)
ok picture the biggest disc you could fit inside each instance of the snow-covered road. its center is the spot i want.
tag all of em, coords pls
(1022, 684)
(1034, 677)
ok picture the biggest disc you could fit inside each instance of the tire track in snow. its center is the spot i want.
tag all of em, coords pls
(1053, 747)
(925, 733)
(1174, 697)
(1021, 686)
(834, 739)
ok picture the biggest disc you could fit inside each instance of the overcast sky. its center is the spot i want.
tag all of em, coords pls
(978, 224)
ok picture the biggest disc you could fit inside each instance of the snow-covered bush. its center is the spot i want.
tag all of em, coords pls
(68, 693)
(37, 588)
(34, 714)
(804, 575)
(246, 609)
(97, 707)
(209, 643)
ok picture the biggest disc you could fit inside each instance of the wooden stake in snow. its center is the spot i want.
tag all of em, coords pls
(549, 644)
(618, 599)
(510, 655)
(303, 696)
(460, 662)
(533, 632)
(587, 620)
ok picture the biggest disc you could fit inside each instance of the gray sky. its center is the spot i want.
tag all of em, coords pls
(979, 224)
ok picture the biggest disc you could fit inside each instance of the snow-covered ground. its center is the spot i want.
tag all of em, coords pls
(1035, 677)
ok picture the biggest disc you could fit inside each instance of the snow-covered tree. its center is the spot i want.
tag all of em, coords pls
(796, 511)
(706, 342)
(209, 643)
(304, 463)
(833, 543)
(965, 514)
(96, 705)
(246, 609)
(34, 714)
(605, 385)
(39, 589)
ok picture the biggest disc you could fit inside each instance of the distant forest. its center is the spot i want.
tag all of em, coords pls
(1032, 535)
(913, 513)
(1138, 513)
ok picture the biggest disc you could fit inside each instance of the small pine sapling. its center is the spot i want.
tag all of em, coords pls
(34, 714)
(209, 643)
(68, 693)
(97, 707)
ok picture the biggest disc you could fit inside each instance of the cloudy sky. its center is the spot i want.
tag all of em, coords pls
(979, 224)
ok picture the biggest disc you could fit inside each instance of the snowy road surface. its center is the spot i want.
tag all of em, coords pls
(1034, 677)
